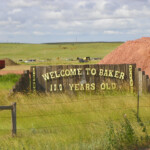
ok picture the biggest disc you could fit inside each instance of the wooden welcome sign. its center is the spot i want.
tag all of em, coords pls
(75, 78)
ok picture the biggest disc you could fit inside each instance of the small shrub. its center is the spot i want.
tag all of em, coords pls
(121, 138)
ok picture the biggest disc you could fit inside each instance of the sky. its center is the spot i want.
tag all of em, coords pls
(48, 21)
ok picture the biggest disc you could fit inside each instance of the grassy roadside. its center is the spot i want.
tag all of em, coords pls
(84, 121)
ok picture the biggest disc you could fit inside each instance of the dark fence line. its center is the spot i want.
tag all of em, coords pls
(79, 101)
(14, 129)
(135, 111)
(77, 112)
(63, 113)
(80, 123)
(68, 113)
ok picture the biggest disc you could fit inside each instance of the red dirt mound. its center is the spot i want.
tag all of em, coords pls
(9, 62)
(137, 51)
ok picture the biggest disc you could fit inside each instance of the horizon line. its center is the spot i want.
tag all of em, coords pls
(64, 42)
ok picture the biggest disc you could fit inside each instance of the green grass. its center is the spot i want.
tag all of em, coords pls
(77, 122)
(55, 51)
(70, 122)
(8, 81)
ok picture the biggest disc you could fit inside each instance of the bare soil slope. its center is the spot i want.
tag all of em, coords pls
(9, 62)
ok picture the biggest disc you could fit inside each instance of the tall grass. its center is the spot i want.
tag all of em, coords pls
(81, 122)
(74, 122)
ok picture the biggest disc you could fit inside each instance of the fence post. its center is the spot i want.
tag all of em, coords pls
(13, 113)
(140, 90)
(138, 101)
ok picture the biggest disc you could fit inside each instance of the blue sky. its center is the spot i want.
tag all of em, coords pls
(41, 21)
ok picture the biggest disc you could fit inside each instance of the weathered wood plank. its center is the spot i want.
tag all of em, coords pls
(5, 107)
(127, 77)
(13, 118)
(148, 85)
(144, 82)
(40, 82)
(102, 78)
(123, 82)
(140, 85)
(14, 124)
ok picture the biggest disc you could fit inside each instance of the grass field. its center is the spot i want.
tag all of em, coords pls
(80, 122)
(55, 53)
(71, 122)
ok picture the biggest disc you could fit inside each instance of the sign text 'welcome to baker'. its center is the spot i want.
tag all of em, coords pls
(81, 77)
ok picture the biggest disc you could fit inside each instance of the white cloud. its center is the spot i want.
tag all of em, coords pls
(52, 15)
(9, 21)
(41, 33)
(14, 11)
(112, 32)
(23, 3)
(14, 33)
(82, 17)
(20, 33)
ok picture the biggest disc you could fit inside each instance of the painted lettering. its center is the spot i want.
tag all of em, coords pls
(67, 72)
(71, 86)
(76, 87)
(52, 75)
(116, 74)
(56, 75)
(113, 86)
(102, 86)
(110, 73)
(93, 86)
(131, 78)
(101, 72)
(81, 87)
(73, 72)
(106, 73)
(88, 71)
(45, 76)
(108, 86)
(79, 71)
(87, 87)
(60, 87)
(34, 80)
(62, 73)
(93, 71)
(122, 75)
(55, 87)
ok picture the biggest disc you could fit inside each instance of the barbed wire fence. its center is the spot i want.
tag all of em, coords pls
(133, 109)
